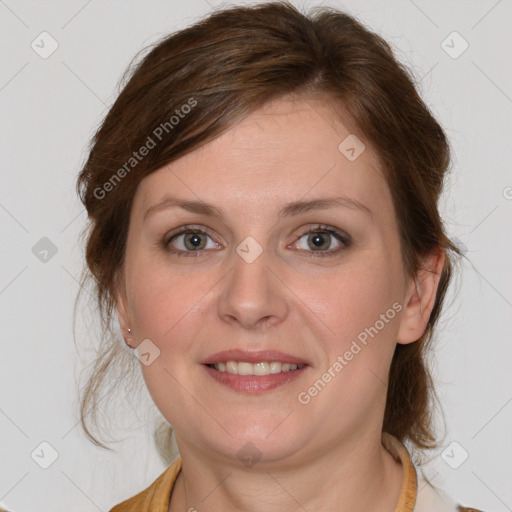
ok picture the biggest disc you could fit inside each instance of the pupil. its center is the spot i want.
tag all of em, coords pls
(318, 240)
(194, 240)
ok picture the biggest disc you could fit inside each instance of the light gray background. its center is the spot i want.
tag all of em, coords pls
(49, 110)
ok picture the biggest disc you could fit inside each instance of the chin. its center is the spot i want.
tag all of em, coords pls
(258, 442)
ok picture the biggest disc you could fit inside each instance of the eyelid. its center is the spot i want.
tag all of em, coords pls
(186, 229)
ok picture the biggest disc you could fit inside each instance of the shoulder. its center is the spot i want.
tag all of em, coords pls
(430, 498)
(417, 493)
(154, 498)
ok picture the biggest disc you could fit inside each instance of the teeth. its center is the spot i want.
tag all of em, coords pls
(244, 368)
(275, 367)
(232, 367)
(262, 368)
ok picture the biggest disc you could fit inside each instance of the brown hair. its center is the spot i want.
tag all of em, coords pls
(223, 68)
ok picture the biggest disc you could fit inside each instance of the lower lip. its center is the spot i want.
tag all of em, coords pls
(255, 384)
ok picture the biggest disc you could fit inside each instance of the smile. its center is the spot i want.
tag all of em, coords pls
(260, 368)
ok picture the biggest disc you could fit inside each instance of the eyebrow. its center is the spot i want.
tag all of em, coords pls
(288, 210)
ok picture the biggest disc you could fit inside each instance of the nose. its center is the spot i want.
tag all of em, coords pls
(254, 295)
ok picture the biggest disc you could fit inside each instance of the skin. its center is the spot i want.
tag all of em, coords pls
(323, 455)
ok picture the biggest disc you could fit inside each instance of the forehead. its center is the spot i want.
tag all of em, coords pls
(288, 150)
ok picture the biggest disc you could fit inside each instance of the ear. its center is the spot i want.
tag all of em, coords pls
(122, 310)
(420, 298)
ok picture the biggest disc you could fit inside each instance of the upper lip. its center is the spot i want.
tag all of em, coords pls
(253, 357)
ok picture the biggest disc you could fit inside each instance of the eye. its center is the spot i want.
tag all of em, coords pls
(189, 242)
(321, 239)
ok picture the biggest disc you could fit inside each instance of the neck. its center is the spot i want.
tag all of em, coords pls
(354, 476)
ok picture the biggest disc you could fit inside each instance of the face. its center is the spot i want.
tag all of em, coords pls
(321, 287)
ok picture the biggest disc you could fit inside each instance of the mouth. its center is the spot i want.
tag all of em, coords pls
(254, 372)
(259, 368)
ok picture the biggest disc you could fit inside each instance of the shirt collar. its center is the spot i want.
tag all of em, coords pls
(409, 488)
(161, 490)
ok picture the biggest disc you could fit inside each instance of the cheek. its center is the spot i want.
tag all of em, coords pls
(167, 309)
(361, 307)
(355, 298)
(162, 300)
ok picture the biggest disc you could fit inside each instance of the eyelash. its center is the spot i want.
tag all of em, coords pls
(320, 228)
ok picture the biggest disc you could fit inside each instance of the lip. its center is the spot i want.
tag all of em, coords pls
(254, 384)
(253, 357)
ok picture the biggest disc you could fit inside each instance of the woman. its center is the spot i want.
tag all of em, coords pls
(264, 226)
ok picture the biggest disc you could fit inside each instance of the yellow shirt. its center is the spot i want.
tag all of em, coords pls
(157, 496)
